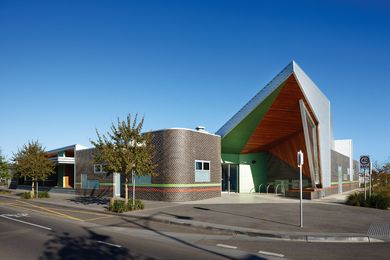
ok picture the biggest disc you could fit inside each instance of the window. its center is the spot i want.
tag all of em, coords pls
(202, 171)
(98, 168)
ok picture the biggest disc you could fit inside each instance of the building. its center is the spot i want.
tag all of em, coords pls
(255, 151)
(260, 142)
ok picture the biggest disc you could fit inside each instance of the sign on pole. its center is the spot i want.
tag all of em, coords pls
(364, 162)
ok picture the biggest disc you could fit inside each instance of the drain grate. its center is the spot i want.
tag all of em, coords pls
(379, 230)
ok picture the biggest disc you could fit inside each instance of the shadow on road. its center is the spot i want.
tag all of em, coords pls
(239, 215)
(146, 226)
(65, 246)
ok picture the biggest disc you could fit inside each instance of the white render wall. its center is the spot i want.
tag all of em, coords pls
(246, 179)
(345, 147)
(320, 105)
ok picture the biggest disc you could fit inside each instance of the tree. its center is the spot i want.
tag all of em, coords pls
(31, 161)
(380, 174)
(126, 150)
(4, 169)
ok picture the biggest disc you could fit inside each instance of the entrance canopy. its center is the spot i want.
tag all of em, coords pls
(289, 114)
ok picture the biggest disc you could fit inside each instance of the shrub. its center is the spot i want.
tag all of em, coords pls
(26, 195)
(355, 199)
(119, 206)
(41, 194)
(380, 201)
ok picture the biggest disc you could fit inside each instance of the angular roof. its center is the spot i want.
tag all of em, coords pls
(292, 68)
(236, 132)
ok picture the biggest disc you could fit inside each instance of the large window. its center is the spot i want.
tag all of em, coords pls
(202, 171)
(310, 132)
(98, 168)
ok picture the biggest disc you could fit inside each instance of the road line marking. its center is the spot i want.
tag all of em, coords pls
(270, 253)
(53, 211)
(109, 244)
(227, 246)
(92, 219)
(30, 209)
(27, 223)
(6, 203)
(84, 212)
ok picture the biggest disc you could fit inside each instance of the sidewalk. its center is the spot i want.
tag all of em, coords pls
(253, 214)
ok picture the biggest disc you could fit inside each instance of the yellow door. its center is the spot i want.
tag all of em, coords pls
(66, 182)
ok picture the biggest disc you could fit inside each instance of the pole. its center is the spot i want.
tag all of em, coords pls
(365, 189)
(133, 181)
(37, 191)
(370, 178)
(300, 163)
(300, 193)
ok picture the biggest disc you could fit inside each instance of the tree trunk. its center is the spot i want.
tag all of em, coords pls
(36, 190)
(126, 191)
(32, 188)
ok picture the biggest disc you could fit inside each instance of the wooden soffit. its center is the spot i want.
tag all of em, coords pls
(282, 121)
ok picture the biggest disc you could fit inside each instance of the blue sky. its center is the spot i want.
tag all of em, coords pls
(68, 67)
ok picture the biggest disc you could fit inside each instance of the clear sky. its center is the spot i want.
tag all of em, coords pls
(68, 67)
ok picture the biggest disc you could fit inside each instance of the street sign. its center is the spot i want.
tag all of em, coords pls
(364, 162)
(300, 158)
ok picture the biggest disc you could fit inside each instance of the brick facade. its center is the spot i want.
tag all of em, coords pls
(175, 153)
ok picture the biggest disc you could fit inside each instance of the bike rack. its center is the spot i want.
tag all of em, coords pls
(260, 188)
(268, 186)
(276, 189)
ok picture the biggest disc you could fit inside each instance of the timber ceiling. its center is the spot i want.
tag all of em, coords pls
(282, 121)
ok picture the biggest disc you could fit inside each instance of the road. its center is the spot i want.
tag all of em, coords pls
(29, 230)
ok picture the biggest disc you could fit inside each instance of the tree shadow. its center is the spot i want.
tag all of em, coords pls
(239, 215)
(87, 200)
(90, 246)
(146, 226)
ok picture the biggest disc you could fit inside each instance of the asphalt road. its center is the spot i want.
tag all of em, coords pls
(31, 231)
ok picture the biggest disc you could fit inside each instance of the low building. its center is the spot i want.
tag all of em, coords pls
(254, 151)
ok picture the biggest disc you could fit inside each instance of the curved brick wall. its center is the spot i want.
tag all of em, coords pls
(175, 153)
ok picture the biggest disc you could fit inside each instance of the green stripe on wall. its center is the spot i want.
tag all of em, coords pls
(345, 182)
(166, 185)
(178, 185)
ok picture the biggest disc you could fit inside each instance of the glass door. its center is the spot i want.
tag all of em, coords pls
(229, 178)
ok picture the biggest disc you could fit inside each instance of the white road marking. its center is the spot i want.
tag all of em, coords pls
(24, 222)
(109, 244)
(227, 246)
(17, 215)
(270, 253)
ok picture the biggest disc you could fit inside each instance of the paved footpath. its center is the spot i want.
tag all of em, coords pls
(259, 215)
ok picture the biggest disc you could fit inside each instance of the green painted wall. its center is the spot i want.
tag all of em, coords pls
(236, 139)
(60, 174)
(258, 169)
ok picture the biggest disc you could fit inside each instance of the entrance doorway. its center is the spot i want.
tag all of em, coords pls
(230, 178)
